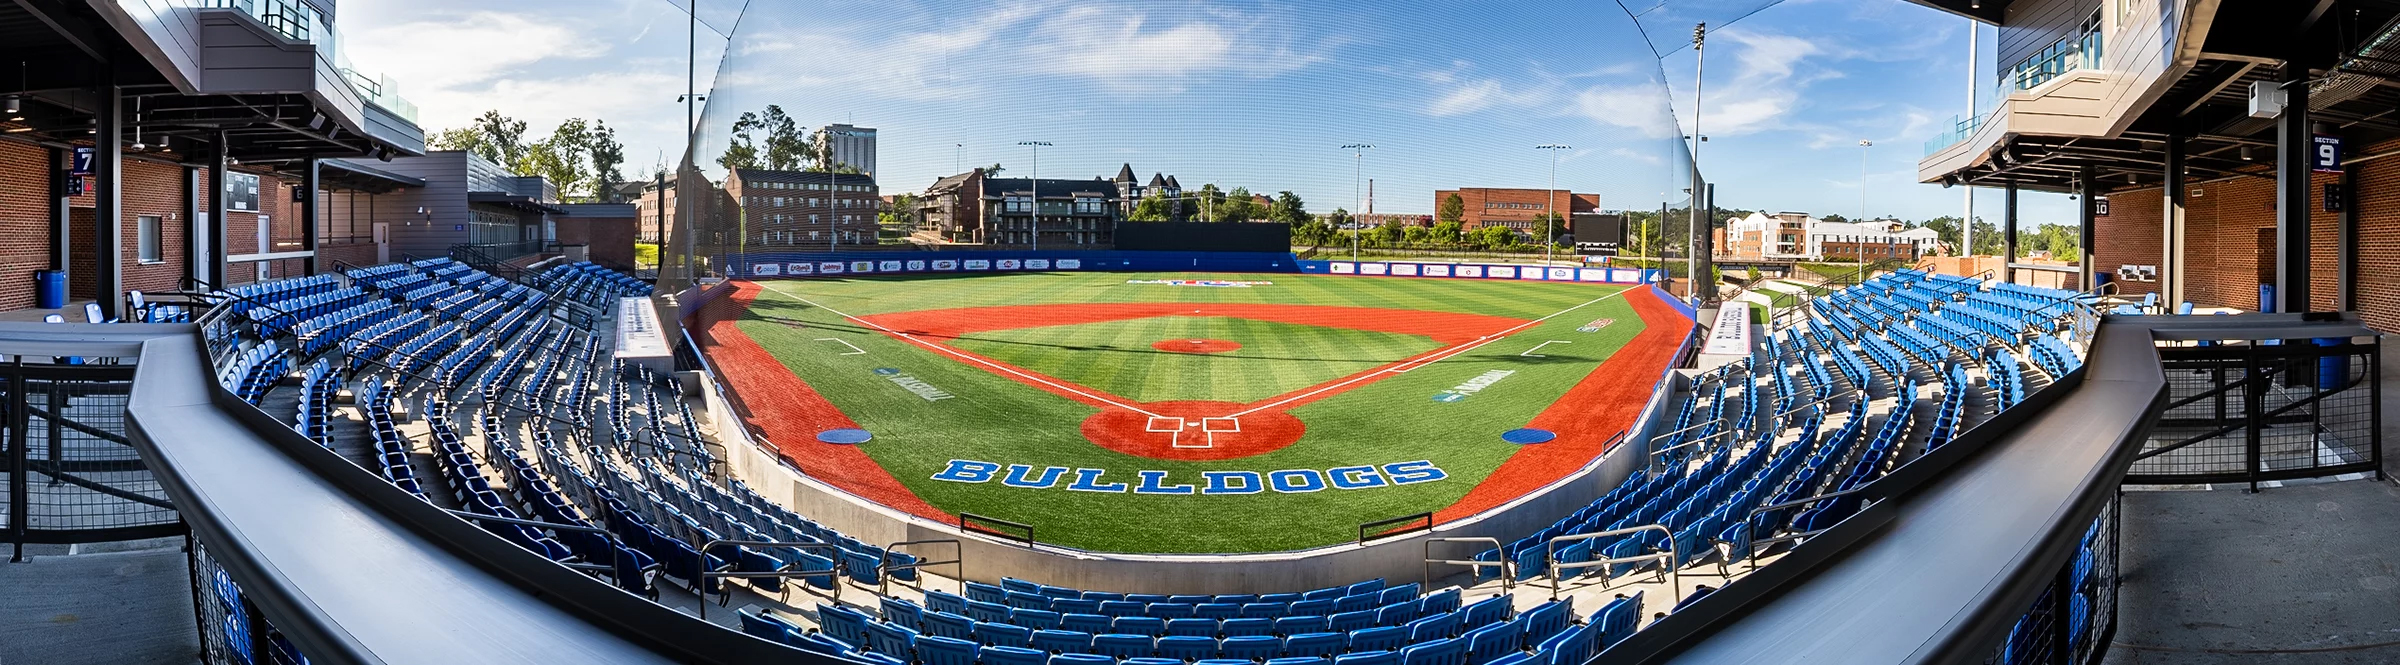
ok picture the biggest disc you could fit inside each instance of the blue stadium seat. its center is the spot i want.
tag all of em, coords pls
(937, 650)
(1382, 638)
(1004, 655)
(1314, 644)
(1251, 647)
(1001, 634)
(1368, 658)
(1123, 646)
(1438, 652)
(1062, 641)
(1183, 647)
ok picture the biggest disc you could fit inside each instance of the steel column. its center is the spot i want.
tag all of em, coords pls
(2088, 197)
(108, 197)
(2170, 239)
(309, 168)
(61, 217)
(2294, 150)
(215, 261)
(2008, 231)
(2346, 244)
(191, 222)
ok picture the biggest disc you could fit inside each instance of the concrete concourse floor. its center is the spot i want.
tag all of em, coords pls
(2302, 574)
(119, 603)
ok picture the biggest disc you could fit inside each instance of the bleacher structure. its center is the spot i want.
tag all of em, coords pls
(501, 402)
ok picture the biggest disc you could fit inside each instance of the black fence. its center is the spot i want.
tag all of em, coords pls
(2256, 412)
(2073, 620)
(71, 475)
(1205, 236)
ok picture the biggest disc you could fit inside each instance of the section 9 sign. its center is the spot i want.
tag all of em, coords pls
(2328, 155)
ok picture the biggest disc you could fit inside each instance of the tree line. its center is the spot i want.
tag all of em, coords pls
(581, 158)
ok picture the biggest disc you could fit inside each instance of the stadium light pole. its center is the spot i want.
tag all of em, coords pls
(1699, 231)
(1863, 145)
(1035, 195)
(1358, 195)
(1550, 239)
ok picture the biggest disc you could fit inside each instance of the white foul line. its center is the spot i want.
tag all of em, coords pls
(854, 350)
(942, 349)
(1413, 364)
(1529, 353)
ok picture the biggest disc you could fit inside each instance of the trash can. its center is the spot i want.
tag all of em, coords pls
(50, 289)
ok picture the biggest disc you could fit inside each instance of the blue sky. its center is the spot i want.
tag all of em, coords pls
(1244, 92)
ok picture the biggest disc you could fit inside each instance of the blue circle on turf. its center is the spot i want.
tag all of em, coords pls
(845, 436)
(1528, 436)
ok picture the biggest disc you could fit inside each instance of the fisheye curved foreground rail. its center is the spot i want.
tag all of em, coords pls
(354, 570)
(1955, 546)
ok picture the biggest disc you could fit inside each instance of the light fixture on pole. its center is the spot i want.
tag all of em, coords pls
(1699, 227)
(1357, 191)
(1550, 219)
(1034, 197)
(1863, 145)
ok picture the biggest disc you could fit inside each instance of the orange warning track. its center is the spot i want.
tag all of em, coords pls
(1606, 401)
(796, 411)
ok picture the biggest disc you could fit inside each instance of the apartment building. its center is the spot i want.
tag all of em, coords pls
(810, 209)
(1518, 209)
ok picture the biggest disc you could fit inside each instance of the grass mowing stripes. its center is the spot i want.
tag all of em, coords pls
(998, 419)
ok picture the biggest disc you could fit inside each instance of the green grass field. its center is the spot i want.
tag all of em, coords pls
(1003, 420)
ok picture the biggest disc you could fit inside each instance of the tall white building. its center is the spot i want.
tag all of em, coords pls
(848, 145)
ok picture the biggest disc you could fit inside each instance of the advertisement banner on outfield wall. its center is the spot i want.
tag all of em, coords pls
(978, 264)
(1470, 271)
(1437, 270)
(888, 266)
(1009, 264)
(1404, 269)
(1566, 274)
(830, 268)
(1530, 272)
(767, 269)
(945, 264)
(1342, 268)
(1037, 264)
(916, 266)
(1070, 264)
(1373, 268)
(1592, 275)
(862, 266)
(1500, 272)
(800, 269)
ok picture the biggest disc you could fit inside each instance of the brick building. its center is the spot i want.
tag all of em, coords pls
(972, 208)
(1518, 209)
(802, 209)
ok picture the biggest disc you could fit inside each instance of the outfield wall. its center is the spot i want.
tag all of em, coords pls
(1479, 270)
(1399, 559)
(845, 264)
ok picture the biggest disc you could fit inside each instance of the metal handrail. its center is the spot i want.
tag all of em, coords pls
(1666, 567)
(705, 575)
(962, 526)
(1508, 573)
(615, 546)
(884, 567)
(1656, 453)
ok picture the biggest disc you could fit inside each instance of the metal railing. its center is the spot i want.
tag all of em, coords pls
(884, 566)
(970, 521)
(1669, 571)
(615, 546)
(1756, 543)
(1508, 572)
(1364, 529)
(701, 585)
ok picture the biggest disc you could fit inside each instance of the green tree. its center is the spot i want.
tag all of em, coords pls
(1152, 208)
(1338, 219)
(1389, 233)
(1446, 233)
(902, 214)
(1238, 207)
(994, 170)
(1288, 208)
(1495, 237)
(1453, 209)
(495, 137)
(606, 155)
(1417, 235)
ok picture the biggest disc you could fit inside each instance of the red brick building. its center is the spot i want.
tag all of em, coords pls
(803, 209)
(1519, 209)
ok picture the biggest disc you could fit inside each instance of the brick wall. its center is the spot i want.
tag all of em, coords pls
(610, 240)
(24, 221)
(1519, 209)
(2223, 219)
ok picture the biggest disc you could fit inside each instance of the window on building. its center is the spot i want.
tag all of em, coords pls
(147, 243)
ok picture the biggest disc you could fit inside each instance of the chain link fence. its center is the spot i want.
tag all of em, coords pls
(2265, 411)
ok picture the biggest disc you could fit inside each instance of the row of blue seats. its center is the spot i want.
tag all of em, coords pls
(375, 340)
(248, 296)
(285, 313)
(317, 388)
(1390, 607)
(1951, 415)
(2007, 377)
(316, 335)
(391, 449)
(254, 371)
(1549, 632)
(474, 492)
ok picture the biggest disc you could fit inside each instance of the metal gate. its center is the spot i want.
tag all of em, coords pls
(71, 475)
(2261, 411)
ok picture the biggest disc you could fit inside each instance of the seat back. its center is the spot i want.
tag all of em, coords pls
(1251, 647)
(1062, 641)
(1002, 635)
(1314, 644)
(1185, 647)
(1385, 638)
(937, 650)
(1123, 645)
(1438, 652)
(947, 625)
